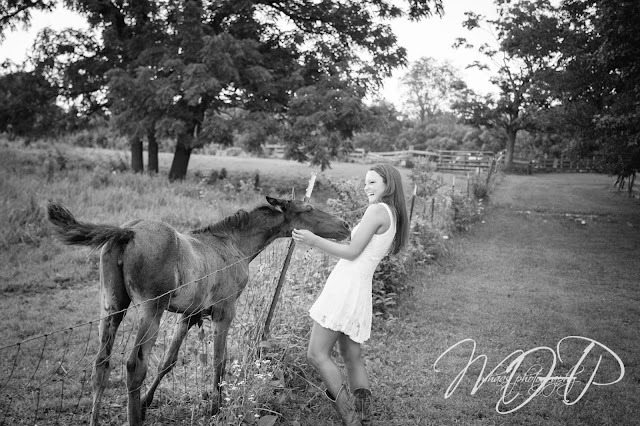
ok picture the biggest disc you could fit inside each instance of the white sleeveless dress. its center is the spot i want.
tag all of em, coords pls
(345, 303)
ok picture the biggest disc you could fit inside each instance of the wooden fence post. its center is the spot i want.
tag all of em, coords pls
(433, 206)
(493, 164)
(283, 272)
(468, 185)
(413, 200)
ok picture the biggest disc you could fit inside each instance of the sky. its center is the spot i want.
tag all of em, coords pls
(432, 37)
(435, 36)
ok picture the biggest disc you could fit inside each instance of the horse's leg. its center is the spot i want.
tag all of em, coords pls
(102, 364)
(171, 356)
(222, 321)
(114, 300)
(138, 361)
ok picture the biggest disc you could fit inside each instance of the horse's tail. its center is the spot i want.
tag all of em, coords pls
(72, 232)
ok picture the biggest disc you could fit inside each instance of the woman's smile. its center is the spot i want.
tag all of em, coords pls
(374, 186)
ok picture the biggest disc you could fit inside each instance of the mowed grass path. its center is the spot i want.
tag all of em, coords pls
(527, 277)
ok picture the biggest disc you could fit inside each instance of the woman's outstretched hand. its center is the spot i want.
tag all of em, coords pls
(304, 236)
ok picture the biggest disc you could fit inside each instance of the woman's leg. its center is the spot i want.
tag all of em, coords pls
(352, 354)
(319, 355)
(358, 379)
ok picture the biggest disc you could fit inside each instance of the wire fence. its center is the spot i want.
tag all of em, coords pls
(46, 379)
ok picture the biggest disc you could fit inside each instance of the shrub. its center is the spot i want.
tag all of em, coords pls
(212, 178)
(98, 137)
(479, 187)
(408, 163)
(426, 243)
(464, 211)
(83, 138)
(425, 179)
(351, 202)
(389, 280)
(234, 151)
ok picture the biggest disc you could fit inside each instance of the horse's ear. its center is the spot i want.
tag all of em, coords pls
(276, 202)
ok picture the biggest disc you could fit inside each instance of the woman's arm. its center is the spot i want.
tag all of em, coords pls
(375, 217)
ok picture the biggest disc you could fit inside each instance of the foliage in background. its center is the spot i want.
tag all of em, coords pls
(426, 181)
(524, 54)
(27, 104)
(603, 48)
(430, 88)
(182, 69)
(323, 118)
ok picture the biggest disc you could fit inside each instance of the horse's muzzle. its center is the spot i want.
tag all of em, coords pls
(346, 231)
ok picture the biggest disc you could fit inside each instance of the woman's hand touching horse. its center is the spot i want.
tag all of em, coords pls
(305, 236)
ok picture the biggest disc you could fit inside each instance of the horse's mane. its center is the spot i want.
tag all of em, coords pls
(239, 220)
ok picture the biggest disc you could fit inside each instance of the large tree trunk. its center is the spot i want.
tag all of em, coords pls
(511, 143)
(153, 151)
(137, 165)
(181, 158)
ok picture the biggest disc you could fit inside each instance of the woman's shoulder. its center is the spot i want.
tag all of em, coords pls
(378, 210)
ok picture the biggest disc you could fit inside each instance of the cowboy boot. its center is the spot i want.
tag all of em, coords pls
(363, 405)
(343, 404)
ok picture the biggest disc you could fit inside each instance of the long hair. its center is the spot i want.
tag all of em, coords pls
(393, 196)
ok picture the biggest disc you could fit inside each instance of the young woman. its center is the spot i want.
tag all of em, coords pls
(343, 311)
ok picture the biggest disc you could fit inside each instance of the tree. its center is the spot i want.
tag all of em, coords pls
(528, 34)
(431, 87)
(27, 104)
(204, 58)
(241, 57)
(600, 84)
(135, 112)
(15, 12)
(443, 132)
(132, 38)
(381, 128)
(321, 117)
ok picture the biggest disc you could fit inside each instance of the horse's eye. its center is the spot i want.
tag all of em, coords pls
(308, 209)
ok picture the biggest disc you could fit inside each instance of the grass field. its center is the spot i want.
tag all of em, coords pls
(527, 277)
(555, 256)
(276, 175)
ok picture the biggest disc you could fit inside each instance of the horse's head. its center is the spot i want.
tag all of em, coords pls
(301, 215)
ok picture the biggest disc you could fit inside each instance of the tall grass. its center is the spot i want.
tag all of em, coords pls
(45, 274)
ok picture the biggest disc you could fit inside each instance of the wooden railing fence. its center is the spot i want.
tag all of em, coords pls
(462, 160)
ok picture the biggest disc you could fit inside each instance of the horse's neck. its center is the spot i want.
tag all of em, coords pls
(262, 230)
